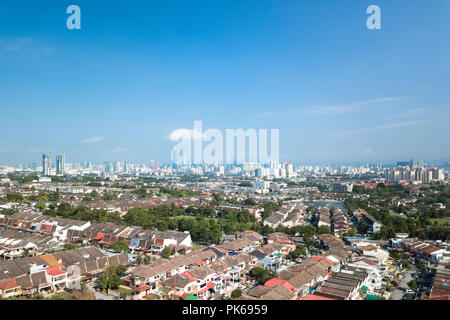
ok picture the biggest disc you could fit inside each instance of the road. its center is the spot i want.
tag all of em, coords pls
(398, 292)
(99, 295)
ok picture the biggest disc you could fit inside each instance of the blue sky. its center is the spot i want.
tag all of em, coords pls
(137, 70)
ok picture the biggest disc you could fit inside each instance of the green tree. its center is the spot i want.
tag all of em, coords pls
(167, 252)
(413, 284)
(308, 240)
(363, 228)
(249, 202)
(70, 246)
(298, 252)
(217, 198)
(64, 210)
(245, 184)
(14, 197)
(125, 293)
(262, 275)
(40, 205)
(119, 246)
(236, 293)
(110, 279)
(323, 230)
(350, 233)
(54, 196)
(405, 264)
(108, 196)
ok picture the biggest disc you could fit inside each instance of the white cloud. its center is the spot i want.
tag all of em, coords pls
(26, 45)
(398, 125)
(327, 110)
(347, 108)
(409, 113)
(179, 134)
(118, 149)
(386, 126)
(15, 44)
(92, 140)
(268, 114)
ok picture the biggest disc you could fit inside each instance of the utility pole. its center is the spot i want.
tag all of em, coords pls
(221, 222)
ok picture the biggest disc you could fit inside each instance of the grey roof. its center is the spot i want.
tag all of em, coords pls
(275, 218)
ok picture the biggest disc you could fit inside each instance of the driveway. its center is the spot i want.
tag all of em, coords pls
(99, 295)
(398, 292)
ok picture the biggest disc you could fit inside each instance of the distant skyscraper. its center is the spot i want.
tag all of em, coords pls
(404, 164)
(118, 167)
(60, 164)
(108, 167)
(289, 167)
(46, 165)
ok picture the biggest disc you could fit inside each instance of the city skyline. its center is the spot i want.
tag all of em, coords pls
(59, 163)
(117, 90)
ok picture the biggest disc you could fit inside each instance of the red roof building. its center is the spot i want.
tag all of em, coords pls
(8, 284)
(142, 288)
(209, 285)
(317, 258)
(312, 296)
(187, 274)
(99, 236)
(277, 281)
(55, 271)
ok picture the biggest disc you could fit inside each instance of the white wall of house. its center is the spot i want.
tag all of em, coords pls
(187, 242)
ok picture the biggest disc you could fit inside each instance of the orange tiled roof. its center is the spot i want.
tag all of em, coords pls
(54, 271)
(8, 284)
(51, 260)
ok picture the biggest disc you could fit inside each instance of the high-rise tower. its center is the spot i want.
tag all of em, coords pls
(46, 164)
(60, 163)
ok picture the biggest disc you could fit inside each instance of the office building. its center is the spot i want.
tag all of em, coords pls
(46, 165)
(60, 164)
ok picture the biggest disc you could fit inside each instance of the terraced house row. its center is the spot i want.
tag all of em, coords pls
(14, 244)
(46, 274)
(210, 271)
(341, 272)
(56, 231)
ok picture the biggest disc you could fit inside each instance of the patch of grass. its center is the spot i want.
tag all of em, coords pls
(194, 217)
(440, 221)
(73, 295)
